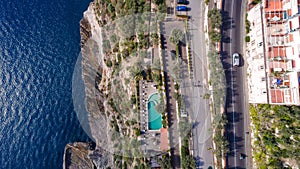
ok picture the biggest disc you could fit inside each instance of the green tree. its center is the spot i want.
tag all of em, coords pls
(110, 8)
(162, 8)
(154, 37)
(176, 36)
(108, 63)
(214, 36)
(157, 2)
(215, 17)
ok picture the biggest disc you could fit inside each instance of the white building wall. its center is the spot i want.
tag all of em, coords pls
(294, 6)
(255, 55)
(295, 23)
(255, 58)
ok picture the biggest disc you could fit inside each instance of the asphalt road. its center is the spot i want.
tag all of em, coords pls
(232, 42)
(194, 89)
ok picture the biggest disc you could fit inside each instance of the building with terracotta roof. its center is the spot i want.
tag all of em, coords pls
(280, 23)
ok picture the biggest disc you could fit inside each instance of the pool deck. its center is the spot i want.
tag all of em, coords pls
(146, 90)
(153, 141)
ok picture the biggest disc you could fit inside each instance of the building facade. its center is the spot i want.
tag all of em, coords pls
(273, 52)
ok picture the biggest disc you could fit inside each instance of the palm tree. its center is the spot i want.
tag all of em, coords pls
(176, 36)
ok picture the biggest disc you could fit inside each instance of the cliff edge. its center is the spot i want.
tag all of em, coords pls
(83, 155)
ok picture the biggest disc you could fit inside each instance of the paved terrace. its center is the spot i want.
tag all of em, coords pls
(153, 141)
(146, 89)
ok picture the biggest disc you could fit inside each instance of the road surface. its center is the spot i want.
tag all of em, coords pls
(232, 42)
(195, 88)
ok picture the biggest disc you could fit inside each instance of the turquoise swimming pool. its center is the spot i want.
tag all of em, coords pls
(154, 118)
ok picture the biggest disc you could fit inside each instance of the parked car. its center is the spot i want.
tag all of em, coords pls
(181, 8)
(185, 2)
(235, 59)
(242, 156)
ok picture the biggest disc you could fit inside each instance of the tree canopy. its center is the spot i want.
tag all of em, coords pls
(176, 36)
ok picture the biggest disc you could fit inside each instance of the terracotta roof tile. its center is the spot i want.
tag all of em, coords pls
(273, 5)
(277, 96)
(164, 140)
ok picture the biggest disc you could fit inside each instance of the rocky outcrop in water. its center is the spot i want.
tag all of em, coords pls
(84, 156)
(76, 156)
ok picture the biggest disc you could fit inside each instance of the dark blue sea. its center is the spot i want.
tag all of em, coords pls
(39, 45)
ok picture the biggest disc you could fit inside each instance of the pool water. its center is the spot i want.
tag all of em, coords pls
(154, 118)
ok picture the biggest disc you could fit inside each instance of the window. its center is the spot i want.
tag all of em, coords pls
(261, 67)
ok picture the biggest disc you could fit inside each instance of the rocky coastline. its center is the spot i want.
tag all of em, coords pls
(118, 51)
(87, 155)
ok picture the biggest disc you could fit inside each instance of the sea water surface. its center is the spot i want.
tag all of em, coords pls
(39, 45)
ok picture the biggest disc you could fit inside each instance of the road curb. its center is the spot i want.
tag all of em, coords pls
(247, 123)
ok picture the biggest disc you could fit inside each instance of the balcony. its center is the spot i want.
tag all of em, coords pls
(277, 53)
(273, 5)
(276, 30)
(275, 17)
(281, 65)
(278, 40)
(279, 80)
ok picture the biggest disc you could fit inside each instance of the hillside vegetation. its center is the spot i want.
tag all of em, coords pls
(276, 133)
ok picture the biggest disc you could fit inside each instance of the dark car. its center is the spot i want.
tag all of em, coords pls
(181, 8)
(185, 2)
(242, 156)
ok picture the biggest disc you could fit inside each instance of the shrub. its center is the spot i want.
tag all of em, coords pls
(177, 51)
(106, 46)
(162, 8)
(164, 120)
(108, 63)
(133, 100)
(111, 8)
(206, 96)
(154, 37)
(176, 86)
(247, 38)
(187, 160)
(214, 36)
(215, 17)
(256, 2)
(248, 24)
(137, 131)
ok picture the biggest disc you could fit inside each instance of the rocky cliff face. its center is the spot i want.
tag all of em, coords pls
(76, 156)
(92, 68)
(79, 155)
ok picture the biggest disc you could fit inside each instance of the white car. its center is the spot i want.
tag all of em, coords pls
(235, 59)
